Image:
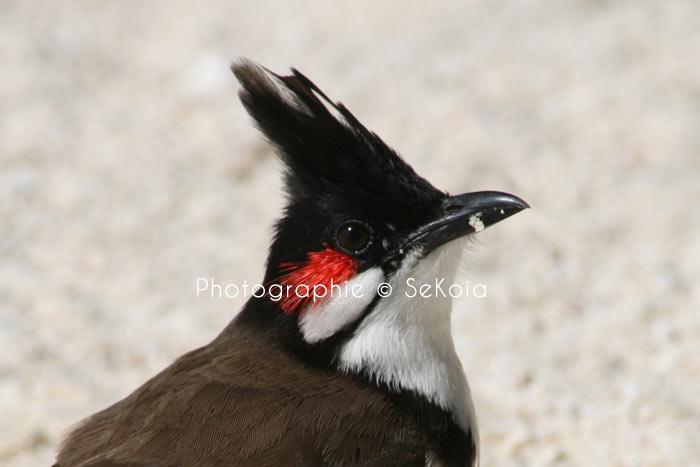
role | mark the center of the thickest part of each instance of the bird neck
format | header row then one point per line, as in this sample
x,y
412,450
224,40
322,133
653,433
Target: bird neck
x,y
406,340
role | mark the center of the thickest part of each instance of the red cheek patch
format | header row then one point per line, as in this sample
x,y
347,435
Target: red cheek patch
x,y
325,268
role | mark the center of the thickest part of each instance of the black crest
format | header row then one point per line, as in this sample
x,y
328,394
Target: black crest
x,y
324,147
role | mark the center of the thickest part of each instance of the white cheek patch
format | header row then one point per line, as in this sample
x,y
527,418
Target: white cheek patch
x,y
346,303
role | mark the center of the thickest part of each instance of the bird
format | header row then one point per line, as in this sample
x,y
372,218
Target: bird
x,y
358,372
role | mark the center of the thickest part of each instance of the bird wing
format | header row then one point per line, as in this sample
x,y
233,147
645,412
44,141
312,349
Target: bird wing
x,y
229,404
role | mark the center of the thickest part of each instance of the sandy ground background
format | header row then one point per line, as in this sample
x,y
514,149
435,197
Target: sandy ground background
x,y
128,168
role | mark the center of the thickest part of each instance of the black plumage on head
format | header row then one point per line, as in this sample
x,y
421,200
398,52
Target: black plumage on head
x,y
324,146
335,168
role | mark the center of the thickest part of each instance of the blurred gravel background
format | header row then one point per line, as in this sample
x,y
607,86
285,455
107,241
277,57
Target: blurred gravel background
x,y
128,168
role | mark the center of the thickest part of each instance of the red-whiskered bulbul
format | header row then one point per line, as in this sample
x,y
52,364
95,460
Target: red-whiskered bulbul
x,y
355,376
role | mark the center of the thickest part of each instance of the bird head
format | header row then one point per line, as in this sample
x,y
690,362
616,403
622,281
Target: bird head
x,y
357,214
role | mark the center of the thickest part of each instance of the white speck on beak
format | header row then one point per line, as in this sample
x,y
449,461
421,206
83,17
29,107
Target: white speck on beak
x,y
476,222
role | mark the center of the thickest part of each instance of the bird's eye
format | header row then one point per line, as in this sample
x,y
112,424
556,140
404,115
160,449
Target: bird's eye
x,y
353,237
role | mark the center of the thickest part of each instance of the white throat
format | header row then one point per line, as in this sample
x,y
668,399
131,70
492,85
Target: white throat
x,y
406,342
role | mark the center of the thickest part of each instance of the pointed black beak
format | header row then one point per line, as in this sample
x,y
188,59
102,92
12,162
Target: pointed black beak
x,y
463,215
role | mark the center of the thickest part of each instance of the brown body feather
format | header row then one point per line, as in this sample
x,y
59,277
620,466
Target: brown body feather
x,y
228,404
